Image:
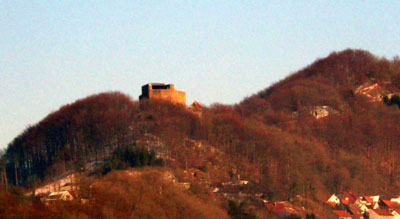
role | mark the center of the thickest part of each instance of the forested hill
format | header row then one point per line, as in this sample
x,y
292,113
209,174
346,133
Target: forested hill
x,y
356,95
345,69
76,131
331,81
91,130
332,126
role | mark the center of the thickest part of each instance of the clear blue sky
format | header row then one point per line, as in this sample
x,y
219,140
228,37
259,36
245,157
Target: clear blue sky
x,y
55,52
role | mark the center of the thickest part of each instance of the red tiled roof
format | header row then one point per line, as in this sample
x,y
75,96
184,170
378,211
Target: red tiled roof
x,y
274,206
196,104
382,212
342,213
391,204
368,199
284,208
333,204
279,207
270,206
351,198
356,212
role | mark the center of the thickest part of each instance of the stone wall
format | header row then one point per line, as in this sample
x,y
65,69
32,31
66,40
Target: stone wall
x,y
164,92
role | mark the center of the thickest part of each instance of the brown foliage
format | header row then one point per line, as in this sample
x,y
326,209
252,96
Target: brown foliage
x,y
269,138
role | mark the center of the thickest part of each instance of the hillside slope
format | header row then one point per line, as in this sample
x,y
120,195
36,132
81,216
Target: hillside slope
x,y
338,103
322,130
139,193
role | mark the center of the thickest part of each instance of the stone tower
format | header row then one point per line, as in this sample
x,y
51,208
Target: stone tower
x,y
164,92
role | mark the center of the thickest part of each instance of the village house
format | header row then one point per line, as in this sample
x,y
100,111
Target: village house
x,y
372,201
348,198
196,108
58,196
375,205
284,209
386,204
395,200
342,214
333,200
356,212
364,203
380,214
396,213
322,111
361,204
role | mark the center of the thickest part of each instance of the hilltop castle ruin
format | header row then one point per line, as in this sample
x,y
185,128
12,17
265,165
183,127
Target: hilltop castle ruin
x,y
164,92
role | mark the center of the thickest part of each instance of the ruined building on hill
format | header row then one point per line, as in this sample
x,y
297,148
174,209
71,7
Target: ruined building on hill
x,y
196,108
161,91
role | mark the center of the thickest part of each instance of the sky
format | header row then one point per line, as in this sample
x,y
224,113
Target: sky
x,y
55,52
